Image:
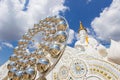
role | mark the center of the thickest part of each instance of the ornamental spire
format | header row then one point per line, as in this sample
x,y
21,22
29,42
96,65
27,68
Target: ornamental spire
x,y
82,27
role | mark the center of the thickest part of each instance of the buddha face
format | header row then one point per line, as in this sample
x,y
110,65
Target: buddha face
x,y
82,36
82,33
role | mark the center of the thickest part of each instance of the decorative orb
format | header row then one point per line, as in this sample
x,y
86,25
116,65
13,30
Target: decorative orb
x,y
11,65
21,46
52,19
26,55
50,37
61,36
20,62
41,45
18,52
26,76
16,49
41,21
18,75
43,65
33,54
13,57
36,26
36,30
62,26
40,28
29,73
52,30
48,19
47,33
45,38
22,42
48,26
46,46
55,50
25,63
32,32
12,72
27,36
58,18
40,54
19,56
32,61
47,29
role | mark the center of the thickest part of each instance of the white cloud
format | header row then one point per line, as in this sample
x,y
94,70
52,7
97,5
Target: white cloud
x,y
107,25
14,22
71,36
88,1
0,48
7,44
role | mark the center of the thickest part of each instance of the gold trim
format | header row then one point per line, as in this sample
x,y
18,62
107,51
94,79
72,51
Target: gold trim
x,y
82,27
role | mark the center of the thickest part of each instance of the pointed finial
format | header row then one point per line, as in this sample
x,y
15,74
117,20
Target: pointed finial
x,y
81,27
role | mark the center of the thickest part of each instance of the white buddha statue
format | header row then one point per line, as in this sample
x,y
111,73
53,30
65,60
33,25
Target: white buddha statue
x,y
83,36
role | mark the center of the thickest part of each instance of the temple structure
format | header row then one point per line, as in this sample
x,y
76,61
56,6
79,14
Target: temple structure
x,y
87,60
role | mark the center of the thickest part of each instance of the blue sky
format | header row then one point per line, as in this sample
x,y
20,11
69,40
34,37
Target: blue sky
x,y
85,11
90,12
